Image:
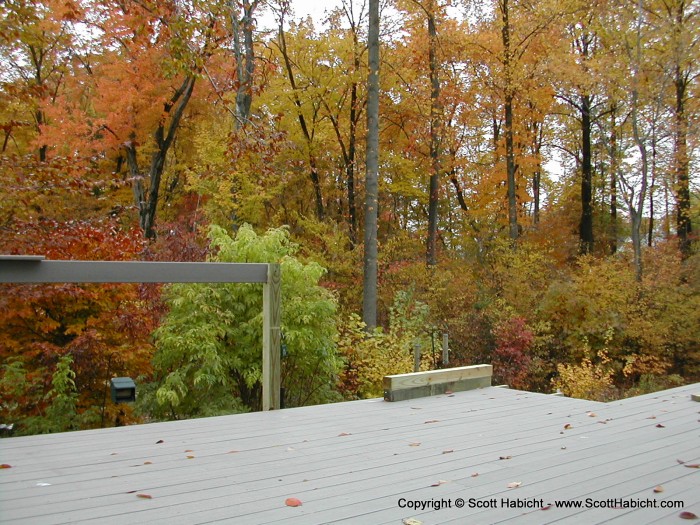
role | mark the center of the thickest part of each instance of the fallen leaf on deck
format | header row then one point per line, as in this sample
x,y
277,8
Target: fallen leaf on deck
x,y
414,444
188,450
506,457
603,422
658,489
438,483
5,465
144,496
688,515
232,452
547,506
591,414
411,521
475,474
567,426
416,408
514,484
432,421
292,502
344,434
148,463
660,426
450,451
113,454
190,457
693,465
159,442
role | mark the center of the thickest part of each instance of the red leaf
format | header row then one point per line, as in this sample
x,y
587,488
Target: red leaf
x,y
438,483
159,442
660,426
547,506
292,502
5,465
658,489
688,515
144,496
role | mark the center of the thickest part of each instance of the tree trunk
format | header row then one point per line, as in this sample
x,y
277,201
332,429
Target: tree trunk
x,y
613,183
147,201
245,58
586,224
435,122
369,299
684,226
509,96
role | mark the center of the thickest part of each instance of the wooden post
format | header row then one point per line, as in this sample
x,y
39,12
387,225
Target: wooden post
x,y
416,357
445,349
271,339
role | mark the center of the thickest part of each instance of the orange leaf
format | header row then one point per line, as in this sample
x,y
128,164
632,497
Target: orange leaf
x,y
688,515
438,483
190,457
292,502
514,484
144,496
5,465
414,444
567,426
658,489
693,465
148,463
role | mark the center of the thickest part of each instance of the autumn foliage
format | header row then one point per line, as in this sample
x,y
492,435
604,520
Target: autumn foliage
x,y
537,197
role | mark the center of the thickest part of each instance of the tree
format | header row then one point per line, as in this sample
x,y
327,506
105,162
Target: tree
x,y
208,356
369,287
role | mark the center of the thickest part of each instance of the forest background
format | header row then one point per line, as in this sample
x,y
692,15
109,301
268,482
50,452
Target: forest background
x,y
535,181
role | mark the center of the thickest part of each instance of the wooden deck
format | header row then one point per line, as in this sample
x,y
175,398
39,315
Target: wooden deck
x,y
360,462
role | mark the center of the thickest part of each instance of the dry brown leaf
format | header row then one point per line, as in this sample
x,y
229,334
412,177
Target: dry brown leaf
x,y
691,465
432,421
475,474
567,426
506,457
449,451
188,450
414,444
547,506
232,452
292,502
688,515
658,489
148,463
514,484
159,442
660,426
591,414
190,457
411,521
144,496
5,465
342,434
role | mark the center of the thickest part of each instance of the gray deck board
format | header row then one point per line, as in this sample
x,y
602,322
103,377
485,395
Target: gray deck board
x,y
351,462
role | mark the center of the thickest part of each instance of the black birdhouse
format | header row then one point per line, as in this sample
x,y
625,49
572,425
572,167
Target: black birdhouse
x,y
123,389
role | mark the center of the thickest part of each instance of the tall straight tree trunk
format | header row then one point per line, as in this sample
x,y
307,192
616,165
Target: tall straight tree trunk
x,y
684,226
242,30
509,96
435,123
586,224
369,285
613,182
